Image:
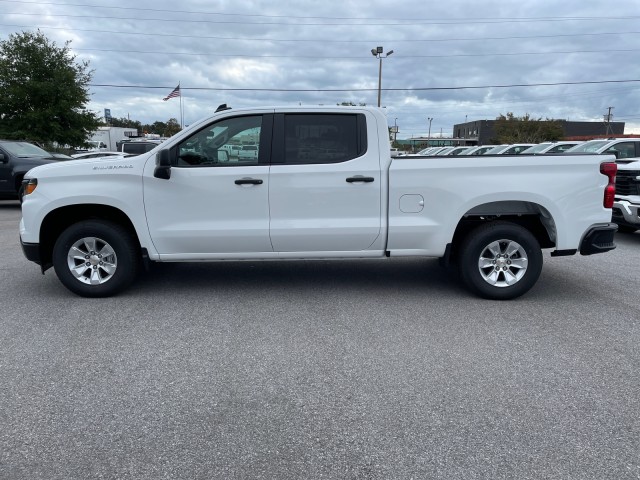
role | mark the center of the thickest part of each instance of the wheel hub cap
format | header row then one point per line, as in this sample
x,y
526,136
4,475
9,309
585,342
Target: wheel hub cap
x,y
92,260
503,263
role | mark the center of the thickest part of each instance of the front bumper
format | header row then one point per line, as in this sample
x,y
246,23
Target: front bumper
x,y
31,251
626,213
598,239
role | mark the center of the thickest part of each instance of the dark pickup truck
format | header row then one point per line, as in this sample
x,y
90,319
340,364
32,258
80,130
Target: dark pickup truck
x,y
16,159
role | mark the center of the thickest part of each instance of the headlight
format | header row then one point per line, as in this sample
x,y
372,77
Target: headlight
x,y
29,185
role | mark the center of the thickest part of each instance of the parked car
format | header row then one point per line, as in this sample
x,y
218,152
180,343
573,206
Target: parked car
x,y
233,150
620,147
457,151
478,150
513,149
626,205
551,147
137,147
16,159
249,152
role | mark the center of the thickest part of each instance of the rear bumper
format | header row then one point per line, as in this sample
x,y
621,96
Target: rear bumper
x,y
598,239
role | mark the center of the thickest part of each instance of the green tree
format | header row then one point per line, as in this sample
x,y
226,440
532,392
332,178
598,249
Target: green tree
x,y
43,92
126,123
173,127
511,129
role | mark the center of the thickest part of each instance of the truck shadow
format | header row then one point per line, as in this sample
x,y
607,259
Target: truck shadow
x,y
382,276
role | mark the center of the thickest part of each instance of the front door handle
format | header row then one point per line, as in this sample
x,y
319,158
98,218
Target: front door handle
x,y
360,178
248,181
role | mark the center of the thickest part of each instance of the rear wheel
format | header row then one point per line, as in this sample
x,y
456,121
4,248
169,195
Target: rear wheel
x,y
96,258
500,260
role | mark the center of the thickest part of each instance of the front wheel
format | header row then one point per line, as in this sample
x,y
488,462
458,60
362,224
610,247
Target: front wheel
x,y
96,258
500,260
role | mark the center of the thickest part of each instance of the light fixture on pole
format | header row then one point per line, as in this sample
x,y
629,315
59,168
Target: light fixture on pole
x,y
429,134
378,52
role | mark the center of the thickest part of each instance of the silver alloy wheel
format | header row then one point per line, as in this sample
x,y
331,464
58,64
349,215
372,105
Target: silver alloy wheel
x,y
91,260
503,263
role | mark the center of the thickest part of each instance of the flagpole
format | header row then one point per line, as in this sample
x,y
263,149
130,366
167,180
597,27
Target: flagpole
x,y
181,111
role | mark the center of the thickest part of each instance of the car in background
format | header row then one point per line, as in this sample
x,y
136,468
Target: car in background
x,y
478,150
16,159
248,152
620,147
513,149
551,147
626,203
458,151
137,147
232,150
60,156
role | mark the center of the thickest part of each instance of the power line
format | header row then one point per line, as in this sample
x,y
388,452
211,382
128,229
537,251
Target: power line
x,y
342,90
343,57
193,12
324,24
415,40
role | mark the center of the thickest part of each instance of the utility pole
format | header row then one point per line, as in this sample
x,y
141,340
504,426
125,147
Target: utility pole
x,y
607,121
429,134
378,52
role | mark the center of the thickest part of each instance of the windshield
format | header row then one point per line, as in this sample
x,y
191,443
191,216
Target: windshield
x,y
537,148
24,149
588,147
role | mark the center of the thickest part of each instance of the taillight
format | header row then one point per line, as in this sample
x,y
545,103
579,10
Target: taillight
x,y
609,169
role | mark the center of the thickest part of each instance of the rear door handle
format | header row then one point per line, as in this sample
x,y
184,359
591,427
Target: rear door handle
x,y
360,178
248,181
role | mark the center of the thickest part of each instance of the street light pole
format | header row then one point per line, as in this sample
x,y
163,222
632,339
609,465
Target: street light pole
x,y
429,134
395,131
378,52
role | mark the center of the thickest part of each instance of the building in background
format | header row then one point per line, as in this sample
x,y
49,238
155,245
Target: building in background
x,y
481,132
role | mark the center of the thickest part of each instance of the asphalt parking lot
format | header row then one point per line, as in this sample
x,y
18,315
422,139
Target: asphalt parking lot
x,y
341,369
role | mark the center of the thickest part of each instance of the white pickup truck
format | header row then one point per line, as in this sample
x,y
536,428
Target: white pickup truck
x,y
323,186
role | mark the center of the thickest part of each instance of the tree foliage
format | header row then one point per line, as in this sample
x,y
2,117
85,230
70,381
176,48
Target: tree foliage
x,y
512,129
43,92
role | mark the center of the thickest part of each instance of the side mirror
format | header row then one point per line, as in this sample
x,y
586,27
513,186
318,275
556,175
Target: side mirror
x,y
2,158
163,165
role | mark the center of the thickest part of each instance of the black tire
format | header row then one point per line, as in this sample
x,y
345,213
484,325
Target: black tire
x,y
517,265
626,229
111,254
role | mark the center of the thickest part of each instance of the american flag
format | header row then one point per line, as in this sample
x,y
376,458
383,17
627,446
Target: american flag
x,y
174,93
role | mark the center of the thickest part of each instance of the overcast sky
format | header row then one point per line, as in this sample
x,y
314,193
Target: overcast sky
x,y
247,53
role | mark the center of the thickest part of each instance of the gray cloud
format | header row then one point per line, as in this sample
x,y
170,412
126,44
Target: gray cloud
x,y
324,46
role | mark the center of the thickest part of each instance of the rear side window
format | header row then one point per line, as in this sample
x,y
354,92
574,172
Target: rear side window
x,y
323,138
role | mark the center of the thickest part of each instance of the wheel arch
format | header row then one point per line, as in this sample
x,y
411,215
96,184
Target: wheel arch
x,y
530,215
56,221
